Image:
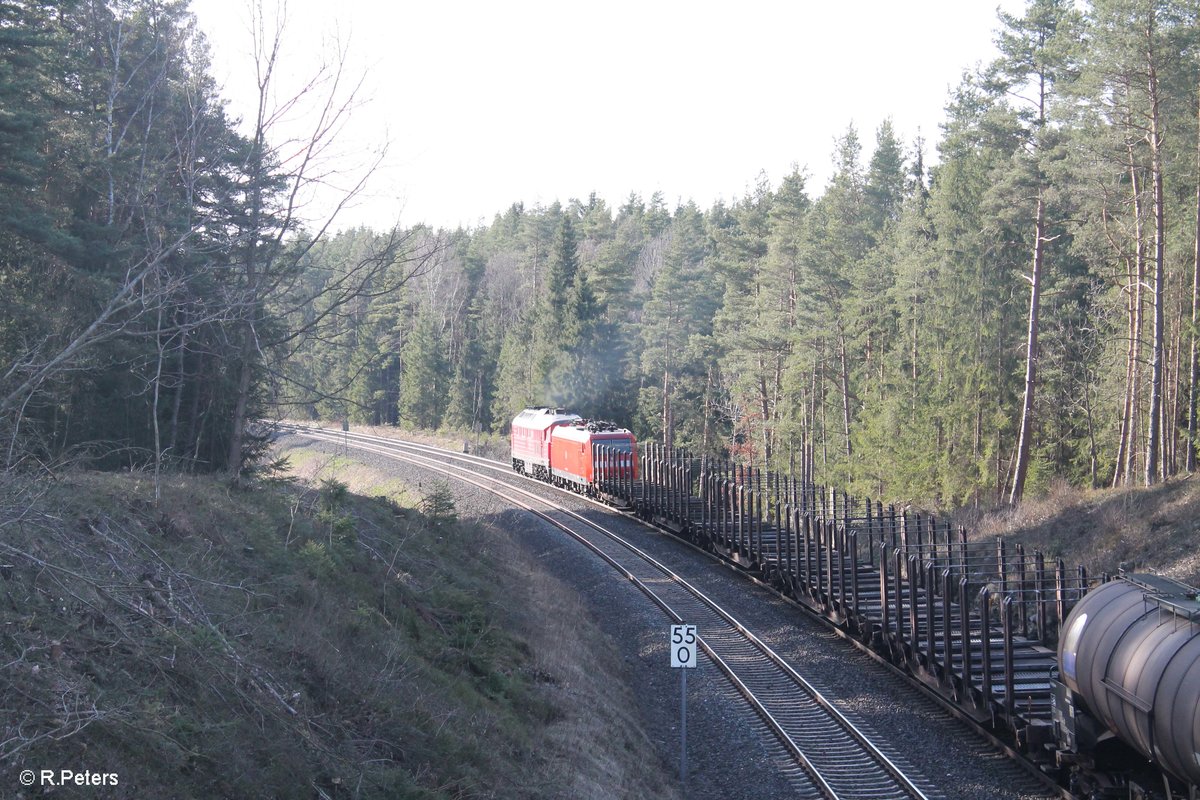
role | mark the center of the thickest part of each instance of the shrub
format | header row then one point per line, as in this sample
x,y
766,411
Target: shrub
x,y
317,560
438,505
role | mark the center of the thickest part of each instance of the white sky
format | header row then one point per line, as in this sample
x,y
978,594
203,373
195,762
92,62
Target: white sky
x,y
482,104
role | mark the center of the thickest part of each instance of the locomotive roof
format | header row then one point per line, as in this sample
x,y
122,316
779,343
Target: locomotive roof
x,y
582,430
544,417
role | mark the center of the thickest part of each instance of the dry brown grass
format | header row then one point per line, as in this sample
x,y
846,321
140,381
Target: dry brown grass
x,y
270,643
591,746
1150,529
594,748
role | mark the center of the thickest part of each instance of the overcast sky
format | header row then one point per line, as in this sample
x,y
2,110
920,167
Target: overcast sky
x,y
482,104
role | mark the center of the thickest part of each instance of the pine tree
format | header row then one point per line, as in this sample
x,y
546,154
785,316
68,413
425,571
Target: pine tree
x,y
837,244
1031,56
551,310
750,325
423,381
676,332
471,386
514,377
886,180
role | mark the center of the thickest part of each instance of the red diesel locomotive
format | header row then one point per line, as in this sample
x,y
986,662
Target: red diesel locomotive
x,y
563,448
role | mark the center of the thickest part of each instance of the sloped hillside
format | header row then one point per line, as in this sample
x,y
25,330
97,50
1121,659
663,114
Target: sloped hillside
x,y
287,641
1151,529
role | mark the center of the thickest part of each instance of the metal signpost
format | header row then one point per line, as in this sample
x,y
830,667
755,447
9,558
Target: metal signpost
x,y
683,657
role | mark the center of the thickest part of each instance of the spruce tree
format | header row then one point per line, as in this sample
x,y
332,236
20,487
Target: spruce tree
x,y
551,310
423,381
471,385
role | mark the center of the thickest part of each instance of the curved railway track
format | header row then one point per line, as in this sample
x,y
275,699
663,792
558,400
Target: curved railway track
x,y
833,756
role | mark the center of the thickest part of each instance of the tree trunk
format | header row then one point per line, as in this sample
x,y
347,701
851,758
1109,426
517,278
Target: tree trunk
x,y
1153,466
1130,425
1190,458
1125,441
237,436
160,358
811,463
1170,438
177,399
764,405
915,363
667,434
1093,450
845,377
1025,440
706,437
194,412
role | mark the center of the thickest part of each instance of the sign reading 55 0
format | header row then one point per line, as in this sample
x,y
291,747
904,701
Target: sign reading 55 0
x,y
683,646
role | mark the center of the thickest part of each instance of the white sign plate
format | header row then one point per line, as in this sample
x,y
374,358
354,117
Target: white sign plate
x,y
684,645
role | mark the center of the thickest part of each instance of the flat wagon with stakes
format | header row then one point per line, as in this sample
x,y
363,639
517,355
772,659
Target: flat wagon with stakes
x,y
1096,683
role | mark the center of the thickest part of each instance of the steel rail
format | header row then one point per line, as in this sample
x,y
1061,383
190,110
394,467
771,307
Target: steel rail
x,y
788,716
982,731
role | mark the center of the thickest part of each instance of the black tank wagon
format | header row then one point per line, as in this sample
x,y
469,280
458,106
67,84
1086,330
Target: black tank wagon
x,y
1129,668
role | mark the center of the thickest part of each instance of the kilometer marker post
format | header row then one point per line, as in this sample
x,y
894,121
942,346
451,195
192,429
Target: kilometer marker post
x,y
683,657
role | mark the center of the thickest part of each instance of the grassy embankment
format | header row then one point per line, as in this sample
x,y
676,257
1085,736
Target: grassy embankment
x,y
331,638
1154,529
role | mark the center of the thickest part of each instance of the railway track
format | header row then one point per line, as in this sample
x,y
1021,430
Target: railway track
x,y
832,756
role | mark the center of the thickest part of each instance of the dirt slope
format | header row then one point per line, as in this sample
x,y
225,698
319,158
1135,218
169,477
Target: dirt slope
x,y
1155,529
287,641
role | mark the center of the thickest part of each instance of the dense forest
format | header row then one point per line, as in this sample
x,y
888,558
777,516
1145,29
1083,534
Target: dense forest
x,y
1024,310
152,274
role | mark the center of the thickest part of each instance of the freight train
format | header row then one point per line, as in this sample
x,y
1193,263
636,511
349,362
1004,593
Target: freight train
x,y
1113,713
553,445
